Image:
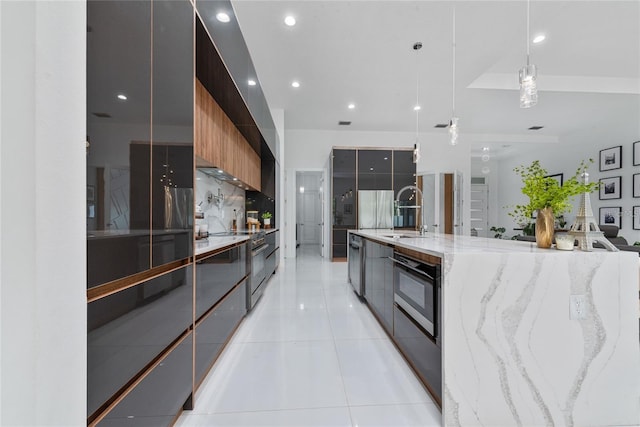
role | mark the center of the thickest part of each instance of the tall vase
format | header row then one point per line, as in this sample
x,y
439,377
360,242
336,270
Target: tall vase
x,y
544,227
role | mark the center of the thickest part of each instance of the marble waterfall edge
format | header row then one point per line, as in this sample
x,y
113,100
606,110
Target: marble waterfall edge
x,y
512,354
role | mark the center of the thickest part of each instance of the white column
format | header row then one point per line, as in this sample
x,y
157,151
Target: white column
x,y
42,213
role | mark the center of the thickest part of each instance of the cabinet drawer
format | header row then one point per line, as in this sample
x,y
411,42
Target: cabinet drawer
x,y
424,355
158,398
216,329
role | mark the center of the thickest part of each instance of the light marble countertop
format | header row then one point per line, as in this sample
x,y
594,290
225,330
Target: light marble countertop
x,y
216,242
443,244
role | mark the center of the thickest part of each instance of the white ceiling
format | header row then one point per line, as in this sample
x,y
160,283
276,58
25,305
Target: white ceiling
x,y
361,52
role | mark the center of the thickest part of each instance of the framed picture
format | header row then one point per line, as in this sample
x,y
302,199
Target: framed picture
x,y
610,188
91,193
611,158
611,216
558,177
636,217
636,185
636,153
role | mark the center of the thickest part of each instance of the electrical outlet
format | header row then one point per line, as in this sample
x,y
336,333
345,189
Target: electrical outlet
x,y
578,307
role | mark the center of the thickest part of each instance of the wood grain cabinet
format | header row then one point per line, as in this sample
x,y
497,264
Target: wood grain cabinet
x,y
219,142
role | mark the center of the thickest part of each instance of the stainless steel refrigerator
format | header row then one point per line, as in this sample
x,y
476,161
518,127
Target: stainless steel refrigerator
x,y
375,209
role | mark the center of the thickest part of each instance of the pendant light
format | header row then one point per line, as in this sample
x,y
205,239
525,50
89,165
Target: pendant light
x,y
527,76
453,123
416,145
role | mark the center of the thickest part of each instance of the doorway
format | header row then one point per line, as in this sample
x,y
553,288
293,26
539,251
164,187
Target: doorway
x,y
309,209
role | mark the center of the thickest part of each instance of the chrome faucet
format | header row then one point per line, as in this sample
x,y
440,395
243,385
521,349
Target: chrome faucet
x,y
423,227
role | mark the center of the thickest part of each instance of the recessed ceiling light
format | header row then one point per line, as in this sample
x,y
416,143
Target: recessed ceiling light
x,y
386,158
290,21
351,106
223,17
122,97
251,82
539,38
441,125
416,108
370,169
295,83
536,127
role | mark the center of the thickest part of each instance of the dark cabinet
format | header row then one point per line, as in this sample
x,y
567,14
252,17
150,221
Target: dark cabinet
x,y
158,398
404,174
128,329
378,279
140,84
424,354
213,332
375,170
118,116
344,193
217,274
353,170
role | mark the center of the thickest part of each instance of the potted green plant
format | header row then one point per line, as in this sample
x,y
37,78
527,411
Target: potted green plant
x,y
547,198
266,217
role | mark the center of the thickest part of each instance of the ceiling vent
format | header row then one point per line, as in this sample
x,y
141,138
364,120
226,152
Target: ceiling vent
x,y
441,125
344,123
536,127
102,115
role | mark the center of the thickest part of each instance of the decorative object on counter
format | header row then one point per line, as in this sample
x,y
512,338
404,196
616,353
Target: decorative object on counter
x,y
547,198
585,229
266,217
253,224
544,227
564,242
561,221
498,230
234,222
611,158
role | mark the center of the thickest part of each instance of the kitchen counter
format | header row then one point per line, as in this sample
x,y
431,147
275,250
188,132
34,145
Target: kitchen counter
x,y
517,349
216,242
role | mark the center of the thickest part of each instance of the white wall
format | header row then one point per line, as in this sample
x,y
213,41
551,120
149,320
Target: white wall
x,y
310,149
42,224
565,157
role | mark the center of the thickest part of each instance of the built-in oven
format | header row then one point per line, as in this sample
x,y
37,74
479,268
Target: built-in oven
x,y
416,291
258,269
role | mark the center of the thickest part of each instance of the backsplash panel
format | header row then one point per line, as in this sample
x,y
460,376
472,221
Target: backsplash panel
x,y
218,216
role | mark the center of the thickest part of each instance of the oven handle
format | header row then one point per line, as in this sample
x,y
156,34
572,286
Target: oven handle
x,y
422,273
259,250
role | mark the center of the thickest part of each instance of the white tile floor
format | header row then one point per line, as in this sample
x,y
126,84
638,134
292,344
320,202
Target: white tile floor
x,y
311,354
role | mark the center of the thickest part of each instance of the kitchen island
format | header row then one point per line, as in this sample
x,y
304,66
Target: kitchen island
x,y
532,336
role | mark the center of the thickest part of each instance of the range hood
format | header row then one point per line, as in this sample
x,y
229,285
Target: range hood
x,y
221,175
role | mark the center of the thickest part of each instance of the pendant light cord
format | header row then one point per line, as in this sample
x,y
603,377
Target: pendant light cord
x,y
528,12
453,90
417,46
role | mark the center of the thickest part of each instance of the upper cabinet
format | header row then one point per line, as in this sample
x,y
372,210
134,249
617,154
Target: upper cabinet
x,y
219,143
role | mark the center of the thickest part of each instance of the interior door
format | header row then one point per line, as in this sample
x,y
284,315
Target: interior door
x,y
480,209
457,203
310,224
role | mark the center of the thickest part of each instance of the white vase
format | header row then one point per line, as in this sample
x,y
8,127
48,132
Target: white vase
x,y
267,221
